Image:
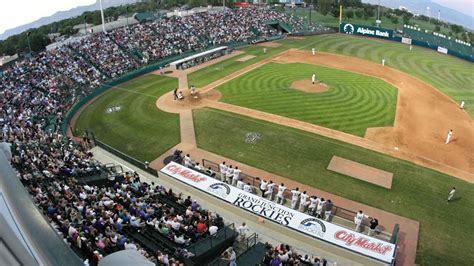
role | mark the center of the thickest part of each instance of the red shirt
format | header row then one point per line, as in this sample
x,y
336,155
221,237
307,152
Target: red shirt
x,y
201,227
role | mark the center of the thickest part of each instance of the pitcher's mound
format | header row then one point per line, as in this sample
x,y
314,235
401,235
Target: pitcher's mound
x,y
307,86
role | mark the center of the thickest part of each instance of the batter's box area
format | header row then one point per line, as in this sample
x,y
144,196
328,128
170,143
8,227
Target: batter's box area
x,y
361,172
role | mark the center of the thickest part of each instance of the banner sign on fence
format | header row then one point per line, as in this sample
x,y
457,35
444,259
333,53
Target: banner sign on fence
x,y
406,40
369,31
309,225
442,50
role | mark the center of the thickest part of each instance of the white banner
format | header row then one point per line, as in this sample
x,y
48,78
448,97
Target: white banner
x,y
442,50
309,225
406,40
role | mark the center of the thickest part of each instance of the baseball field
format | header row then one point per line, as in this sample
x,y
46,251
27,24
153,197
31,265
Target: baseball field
x,y
362,113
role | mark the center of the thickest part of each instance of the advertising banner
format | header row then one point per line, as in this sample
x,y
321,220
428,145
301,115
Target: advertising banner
x,y
442,50
369,31
406,40
309,225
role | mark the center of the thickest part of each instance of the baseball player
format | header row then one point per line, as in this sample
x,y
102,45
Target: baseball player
x,y
264,50
270,190
451,194
229,174
223,170
304,201
358,220
313,78
313,50
383,62
280,194
462,105
449,137
236,176
295,194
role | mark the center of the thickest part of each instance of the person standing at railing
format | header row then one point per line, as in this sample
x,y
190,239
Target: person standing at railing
x,y
229,175
243,231
328,210
263,186
236,176
295,194
223,170
358,220
304,201
281,194
270,190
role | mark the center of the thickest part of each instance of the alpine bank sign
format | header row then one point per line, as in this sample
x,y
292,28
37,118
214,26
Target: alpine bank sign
x,y
369,31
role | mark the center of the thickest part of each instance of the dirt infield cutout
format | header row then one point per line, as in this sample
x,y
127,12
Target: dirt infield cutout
x,y
167,103
361,171
245,58
307,86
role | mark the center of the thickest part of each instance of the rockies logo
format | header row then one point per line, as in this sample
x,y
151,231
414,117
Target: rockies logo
x,y
349,28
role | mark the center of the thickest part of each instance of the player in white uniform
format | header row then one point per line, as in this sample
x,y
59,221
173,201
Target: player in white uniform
x,y
451,194
358,220
314,201
188,162
313,78
304,202
240,184
229,175
462,105
449,137
223,170
313,50
295,194
248,188
270,190
281,194
263,186
236,176
320,208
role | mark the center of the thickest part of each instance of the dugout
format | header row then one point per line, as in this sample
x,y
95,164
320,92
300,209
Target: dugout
x,y
279,26
200,58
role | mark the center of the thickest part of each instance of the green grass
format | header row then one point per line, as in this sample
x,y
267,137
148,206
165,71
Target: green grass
x,y
224,68
417,193
452,76
139,129
352,104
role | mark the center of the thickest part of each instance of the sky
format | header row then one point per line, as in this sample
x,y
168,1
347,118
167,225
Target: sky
x,y
463,6
32,10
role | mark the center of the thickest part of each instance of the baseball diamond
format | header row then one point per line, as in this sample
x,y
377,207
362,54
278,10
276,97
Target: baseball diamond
x,y
239,136
263,83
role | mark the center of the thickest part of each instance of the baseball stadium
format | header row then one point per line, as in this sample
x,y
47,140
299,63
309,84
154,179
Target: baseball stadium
x,y
239,135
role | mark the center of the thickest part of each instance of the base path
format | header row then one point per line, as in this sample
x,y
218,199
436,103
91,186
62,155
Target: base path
x,y
423,118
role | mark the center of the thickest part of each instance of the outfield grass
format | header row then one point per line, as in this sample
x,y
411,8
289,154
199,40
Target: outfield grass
x,y
139,129
452,76
417,193
224,68
352,104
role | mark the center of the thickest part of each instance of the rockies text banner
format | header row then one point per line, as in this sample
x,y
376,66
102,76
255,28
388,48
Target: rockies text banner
x,y
309,225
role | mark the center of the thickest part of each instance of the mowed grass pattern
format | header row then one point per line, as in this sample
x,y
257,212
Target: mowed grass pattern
x,y
452,76
352,104
418,193
139,129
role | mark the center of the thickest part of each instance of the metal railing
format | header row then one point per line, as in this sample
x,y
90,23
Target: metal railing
x,y
210,242
255,182
240,250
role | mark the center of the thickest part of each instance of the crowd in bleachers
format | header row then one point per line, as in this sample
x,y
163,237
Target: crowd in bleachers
x,y
37,92
285,255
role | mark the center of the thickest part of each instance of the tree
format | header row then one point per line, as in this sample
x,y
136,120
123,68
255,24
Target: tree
x,y
359,13
456,28
437,28
394,20
349,14
368,12
324,6
406,18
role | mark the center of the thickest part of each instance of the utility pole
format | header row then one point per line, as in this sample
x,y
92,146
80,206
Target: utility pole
x,y
102,16
378,14
28,40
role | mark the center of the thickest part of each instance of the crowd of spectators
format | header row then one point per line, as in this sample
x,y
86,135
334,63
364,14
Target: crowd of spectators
x,y
285,255
37,92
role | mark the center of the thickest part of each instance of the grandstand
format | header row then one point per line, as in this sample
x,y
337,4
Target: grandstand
x,y
98,209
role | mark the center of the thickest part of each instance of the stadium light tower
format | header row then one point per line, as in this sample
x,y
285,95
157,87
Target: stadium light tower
x,y
102,16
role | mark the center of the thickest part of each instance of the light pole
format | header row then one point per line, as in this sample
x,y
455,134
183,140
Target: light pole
x,y
378,14
102,16
28,40
85,25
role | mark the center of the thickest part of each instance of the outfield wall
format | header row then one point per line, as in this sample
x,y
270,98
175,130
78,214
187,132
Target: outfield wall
x,y
389,35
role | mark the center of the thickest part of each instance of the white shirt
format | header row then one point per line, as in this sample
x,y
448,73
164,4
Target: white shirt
x,y
313,77
452,192
230,172
213,230
304,198
237,173
263,185
270,187
295,194
240,184
281,189
243,230
248,188
359,217
222,168
314,202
